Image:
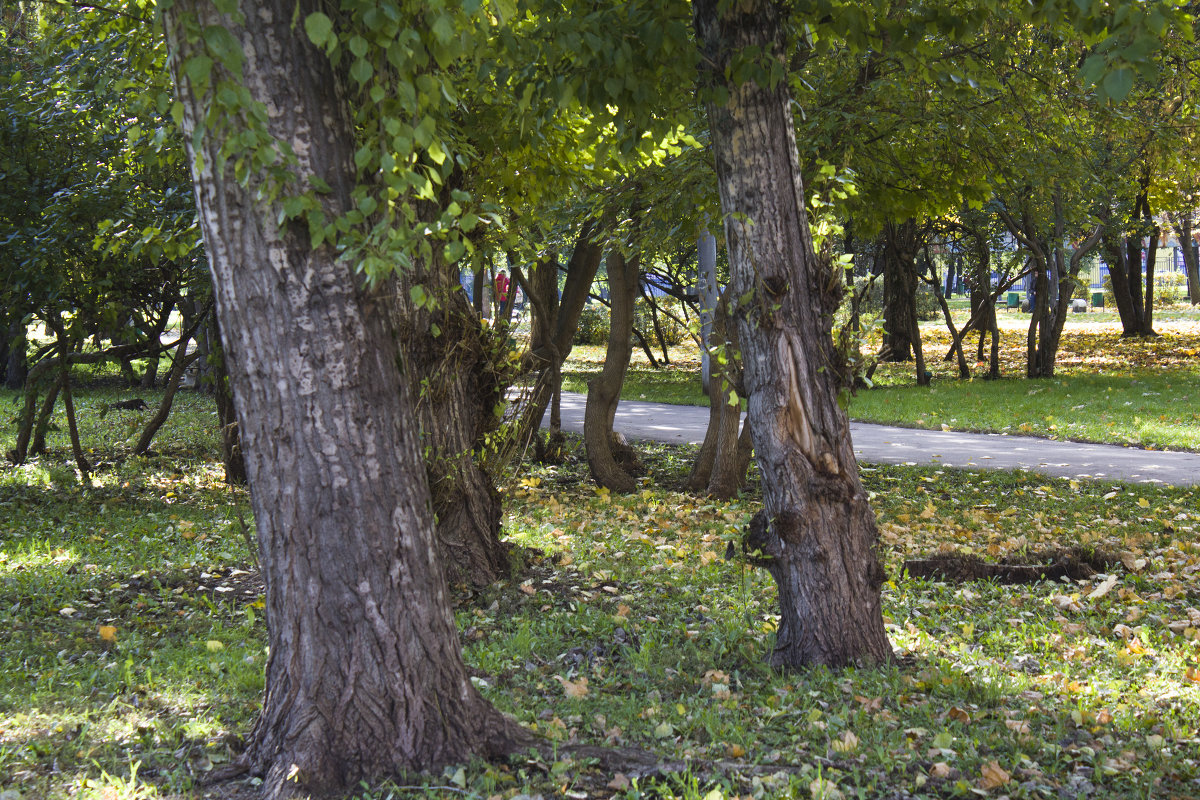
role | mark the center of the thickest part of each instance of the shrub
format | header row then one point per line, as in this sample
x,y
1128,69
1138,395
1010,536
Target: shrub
x,y
928,308
672,331
593,325
1169,289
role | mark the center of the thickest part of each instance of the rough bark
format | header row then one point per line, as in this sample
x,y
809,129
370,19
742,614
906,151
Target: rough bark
x,y
364,676
816,531
1115,256
604,391
706,293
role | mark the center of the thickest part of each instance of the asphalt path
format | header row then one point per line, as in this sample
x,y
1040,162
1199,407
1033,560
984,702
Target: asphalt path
x,y
885,444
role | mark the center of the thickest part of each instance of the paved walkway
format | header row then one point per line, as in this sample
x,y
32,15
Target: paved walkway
x,y
884,444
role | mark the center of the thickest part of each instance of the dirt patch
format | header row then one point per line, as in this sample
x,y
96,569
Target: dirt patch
x,y
1051,565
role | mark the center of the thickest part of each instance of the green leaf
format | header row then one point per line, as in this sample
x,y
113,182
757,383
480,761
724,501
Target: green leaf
x,y
436,152
319,29
198,69
419,298
1118,83
443,28
361,70
222,44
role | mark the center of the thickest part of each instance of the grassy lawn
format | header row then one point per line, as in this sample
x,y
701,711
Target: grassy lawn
x,y
1108,389
133,639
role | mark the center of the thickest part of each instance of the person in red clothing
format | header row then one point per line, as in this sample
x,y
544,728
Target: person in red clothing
x,y
501,288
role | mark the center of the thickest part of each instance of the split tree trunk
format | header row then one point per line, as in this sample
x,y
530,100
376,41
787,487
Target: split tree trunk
x,y
816,529
1116,256
548,353
365,676
605,453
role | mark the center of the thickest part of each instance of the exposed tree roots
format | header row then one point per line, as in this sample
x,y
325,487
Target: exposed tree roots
x,y
1051,565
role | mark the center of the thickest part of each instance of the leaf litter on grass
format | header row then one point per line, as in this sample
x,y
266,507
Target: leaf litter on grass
x,y
1058,688
626,627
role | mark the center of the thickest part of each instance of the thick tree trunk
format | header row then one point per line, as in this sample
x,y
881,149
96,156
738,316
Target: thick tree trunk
x,y
604,391
365,676
816,530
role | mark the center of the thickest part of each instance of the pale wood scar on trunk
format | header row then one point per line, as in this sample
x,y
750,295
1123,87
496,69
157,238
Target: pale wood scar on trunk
x,y
796,415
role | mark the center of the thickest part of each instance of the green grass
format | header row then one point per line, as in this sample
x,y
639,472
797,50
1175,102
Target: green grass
x,y
634,595
1159,410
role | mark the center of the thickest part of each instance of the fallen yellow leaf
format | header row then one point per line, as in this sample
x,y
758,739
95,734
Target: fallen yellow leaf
x,y
577,688
619,782
993,776
848,743
108,633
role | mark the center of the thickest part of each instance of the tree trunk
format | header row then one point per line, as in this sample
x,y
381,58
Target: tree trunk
x,y
1148,295
548,355
1118,274
899,289
231,440
174,378
14,361
706,293
1191,254
365,676
45,415
720,468
604,391
816,530
453,358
